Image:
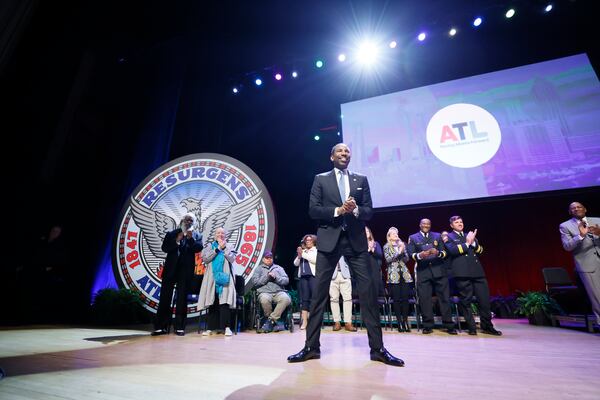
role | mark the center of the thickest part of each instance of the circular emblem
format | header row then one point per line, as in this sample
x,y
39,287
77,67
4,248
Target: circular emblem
x,y
394,276
220,191
463,135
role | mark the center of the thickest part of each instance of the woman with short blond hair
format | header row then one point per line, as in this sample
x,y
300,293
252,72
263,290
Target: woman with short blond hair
x,y
398,277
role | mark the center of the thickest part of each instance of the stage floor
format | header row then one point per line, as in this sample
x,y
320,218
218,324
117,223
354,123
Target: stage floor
x,y
528,362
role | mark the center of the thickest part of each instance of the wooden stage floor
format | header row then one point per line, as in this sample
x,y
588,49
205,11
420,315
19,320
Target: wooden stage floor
x,y
528,362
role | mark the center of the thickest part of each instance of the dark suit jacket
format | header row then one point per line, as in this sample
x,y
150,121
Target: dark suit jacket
x,y
465,263
325,197
431,267
184,253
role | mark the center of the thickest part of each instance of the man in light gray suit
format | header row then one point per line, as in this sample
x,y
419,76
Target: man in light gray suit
x,y
580,235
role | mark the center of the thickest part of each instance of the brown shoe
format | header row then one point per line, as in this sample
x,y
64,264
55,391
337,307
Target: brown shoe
x,y
337,326
350,328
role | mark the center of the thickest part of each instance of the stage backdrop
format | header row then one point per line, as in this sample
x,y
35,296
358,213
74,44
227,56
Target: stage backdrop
x,y
529,129
219,190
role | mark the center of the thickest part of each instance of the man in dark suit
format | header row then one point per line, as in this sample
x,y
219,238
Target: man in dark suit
x,y
341,203
181,246
469,276
426,248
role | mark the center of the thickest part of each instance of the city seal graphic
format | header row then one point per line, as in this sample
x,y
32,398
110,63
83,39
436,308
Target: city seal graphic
x,y
220,191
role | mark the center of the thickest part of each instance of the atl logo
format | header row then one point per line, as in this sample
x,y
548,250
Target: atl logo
x,y
463,135
449,135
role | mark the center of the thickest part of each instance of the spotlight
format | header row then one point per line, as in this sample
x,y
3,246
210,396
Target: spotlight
x,y
452,32
235,90
294,74
342,57
393,44
422,36
317,137
548,8
338,134
510,13
319,64
258,81
278,77
367,53
477,21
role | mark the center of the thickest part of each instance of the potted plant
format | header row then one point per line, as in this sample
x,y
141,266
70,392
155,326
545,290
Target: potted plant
x,y
537,307
118,307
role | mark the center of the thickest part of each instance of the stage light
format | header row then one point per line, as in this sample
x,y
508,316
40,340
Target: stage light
x,y
319,64
342,57
258,81
510,13
277,77
294,74
367,53
393,44
548,8
338,134
422,36
452,32
235,90
477,21
317,137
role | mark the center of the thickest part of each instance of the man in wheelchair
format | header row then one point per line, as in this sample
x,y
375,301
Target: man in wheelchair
x,y
269,281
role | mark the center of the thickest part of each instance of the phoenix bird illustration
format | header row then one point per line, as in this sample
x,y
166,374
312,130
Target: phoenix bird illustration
x,y
155,225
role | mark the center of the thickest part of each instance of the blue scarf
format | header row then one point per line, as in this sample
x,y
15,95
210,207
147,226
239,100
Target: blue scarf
x,y
221,278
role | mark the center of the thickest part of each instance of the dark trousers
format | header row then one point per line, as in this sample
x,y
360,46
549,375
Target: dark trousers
x,y
400,293
425,290
306,288
219,315
377,281
166,295
361,273
467,287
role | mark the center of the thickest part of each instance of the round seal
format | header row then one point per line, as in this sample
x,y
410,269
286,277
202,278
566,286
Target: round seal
x,y
220,191
463,135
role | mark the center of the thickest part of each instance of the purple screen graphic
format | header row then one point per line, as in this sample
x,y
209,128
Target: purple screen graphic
x,y
548,116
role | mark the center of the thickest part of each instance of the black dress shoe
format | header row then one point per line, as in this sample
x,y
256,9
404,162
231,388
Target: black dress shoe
x,y
159,332
385,357
427,331
491,331
451,331
180,332
305,354
473,332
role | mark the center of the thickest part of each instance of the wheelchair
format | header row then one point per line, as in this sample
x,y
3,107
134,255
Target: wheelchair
x,y
259,318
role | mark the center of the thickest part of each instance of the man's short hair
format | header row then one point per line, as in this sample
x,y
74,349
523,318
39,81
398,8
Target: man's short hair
x,y
454,218
339,144
574,202
192,216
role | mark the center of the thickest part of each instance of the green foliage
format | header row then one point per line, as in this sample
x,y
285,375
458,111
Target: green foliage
x,y
118,307
248,297
532,303
295,299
